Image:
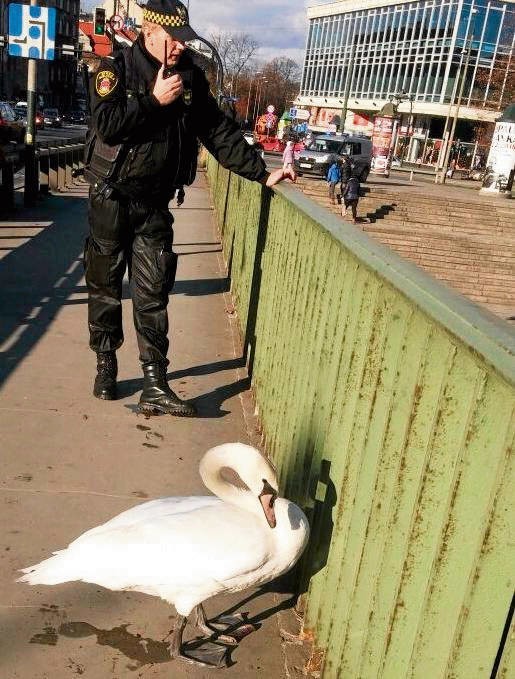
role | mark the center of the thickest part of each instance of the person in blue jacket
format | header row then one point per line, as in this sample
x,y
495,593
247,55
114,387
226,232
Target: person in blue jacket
x,y
334,175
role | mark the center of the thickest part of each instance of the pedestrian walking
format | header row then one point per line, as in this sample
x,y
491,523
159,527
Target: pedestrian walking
x,y
345,171
334,176
288,156
150,105
350,197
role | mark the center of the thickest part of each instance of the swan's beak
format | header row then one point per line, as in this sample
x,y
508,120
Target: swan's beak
x,y
267,498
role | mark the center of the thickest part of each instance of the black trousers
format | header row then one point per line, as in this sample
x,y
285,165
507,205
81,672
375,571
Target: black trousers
x,y
126,233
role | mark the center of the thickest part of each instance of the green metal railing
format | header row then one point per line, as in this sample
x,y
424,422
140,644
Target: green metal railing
x,y
387,402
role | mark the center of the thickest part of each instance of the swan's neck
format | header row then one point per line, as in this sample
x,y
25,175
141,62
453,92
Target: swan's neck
x,y
221,478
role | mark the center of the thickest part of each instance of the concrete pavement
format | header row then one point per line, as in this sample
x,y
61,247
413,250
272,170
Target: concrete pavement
x,y
70,462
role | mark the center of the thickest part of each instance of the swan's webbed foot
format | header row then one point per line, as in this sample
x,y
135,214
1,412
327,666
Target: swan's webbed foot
x,y
236,623
204,653
208,654
224,623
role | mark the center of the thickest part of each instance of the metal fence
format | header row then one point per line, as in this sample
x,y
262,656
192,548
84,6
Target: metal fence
x,y
387,402
58,164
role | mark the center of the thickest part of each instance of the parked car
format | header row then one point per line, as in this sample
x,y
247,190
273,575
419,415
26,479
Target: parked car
x,y
11,127
21,112
75,117
52,117
325,149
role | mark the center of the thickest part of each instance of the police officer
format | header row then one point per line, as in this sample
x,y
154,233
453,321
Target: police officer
x,y
150,104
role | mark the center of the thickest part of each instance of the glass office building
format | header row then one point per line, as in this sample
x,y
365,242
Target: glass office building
x,y
373,50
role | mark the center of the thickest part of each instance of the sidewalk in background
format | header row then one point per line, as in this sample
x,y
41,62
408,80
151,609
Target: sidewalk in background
x,y
71,462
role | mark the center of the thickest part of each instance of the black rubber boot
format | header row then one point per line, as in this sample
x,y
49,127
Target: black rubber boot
x,y
105,381
157,397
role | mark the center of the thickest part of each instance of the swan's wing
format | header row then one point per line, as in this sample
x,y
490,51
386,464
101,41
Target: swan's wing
x,y
205,548
148,511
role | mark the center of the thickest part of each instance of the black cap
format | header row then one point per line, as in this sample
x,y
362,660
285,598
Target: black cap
x,y
172,15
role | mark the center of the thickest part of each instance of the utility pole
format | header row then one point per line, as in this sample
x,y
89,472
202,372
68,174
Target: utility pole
x,y
463,74
348,82
31,178
250,94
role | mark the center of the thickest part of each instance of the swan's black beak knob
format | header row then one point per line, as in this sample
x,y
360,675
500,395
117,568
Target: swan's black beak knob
x,y
267,498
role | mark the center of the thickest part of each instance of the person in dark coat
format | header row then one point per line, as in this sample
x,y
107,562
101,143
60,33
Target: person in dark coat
x,y
150,106
350,197
345,172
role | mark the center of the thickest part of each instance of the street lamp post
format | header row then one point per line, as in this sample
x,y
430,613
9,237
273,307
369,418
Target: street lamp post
x,y
461,76
443,171
250,94
257,101
219,68
397,100
348,82
31,177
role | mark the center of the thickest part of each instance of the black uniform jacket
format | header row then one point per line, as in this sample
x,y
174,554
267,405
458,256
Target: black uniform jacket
x,y
160,142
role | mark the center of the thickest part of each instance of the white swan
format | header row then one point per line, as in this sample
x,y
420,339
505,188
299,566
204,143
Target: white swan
x,y
187,549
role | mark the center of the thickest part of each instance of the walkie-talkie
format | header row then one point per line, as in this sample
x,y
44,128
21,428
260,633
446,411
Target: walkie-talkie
x,y
168,71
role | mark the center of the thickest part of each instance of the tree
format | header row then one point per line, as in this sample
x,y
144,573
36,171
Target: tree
x,y
283,76
235,50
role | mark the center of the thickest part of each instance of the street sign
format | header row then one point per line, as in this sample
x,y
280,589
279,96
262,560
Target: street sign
x,y
302,114
293,113
32,31
68,50
116,22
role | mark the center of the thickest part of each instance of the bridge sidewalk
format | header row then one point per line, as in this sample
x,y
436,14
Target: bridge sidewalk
x,y
70,461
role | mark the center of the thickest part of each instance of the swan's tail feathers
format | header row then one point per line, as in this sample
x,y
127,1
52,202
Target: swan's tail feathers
x,y
52,571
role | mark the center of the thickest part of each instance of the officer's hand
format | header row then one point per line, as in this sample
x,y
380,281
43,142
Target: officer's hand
x,y
167,90
278,175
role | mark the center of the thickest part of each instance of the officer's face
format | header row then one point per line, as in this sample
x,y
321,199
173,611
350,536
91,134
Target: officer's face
x,y
157,40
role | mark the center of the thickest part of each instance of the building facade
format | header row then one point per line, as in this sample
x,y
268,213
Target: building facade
x,y
420,53
57,78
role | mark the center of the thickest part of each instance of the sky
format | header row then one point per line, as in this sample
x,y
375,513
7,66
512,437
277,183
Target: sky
x,y
279,26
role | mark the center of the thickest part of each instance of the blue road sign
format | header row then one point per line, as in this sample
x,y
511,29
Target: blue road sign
x,y
293,113
32,31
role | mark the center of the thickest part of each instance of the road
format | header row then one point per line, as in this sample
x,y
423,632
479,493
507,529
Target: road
x,y
64,132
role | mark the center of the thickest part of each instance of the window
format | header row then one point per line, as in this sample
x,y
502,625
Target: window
x,y
325,146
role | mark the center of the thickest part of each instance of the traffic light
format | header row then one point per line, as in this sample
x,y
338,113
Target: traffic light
x,y
100,21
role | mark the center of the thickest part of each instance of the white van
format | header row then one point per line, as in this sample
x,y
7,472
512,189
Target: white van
x,y
326,149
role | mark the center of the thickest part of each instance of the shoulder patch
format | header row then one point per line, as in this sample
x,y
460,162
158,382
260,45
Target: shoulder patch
x,y
105,82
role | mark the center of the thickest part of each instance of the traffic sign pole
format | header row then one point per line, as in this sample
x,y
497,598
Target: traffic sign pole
x,y
31,179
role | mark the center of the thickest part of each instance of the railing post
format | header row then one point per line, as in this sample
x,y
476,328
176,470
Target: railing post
x,y
7,188
44,170
68,155
61,168
53,162
75,160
